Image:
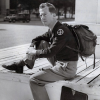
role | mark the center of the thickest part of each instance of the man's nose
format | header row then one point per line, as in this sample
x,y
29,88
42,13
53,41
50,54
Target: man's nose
x,y
42,17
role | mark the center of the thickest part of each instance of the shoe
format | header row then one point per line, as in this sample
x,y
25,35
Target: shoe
x,y
16,66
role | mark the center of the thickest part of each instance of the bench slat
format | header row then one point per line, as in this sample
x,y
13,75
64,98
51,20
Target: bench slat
x,y
12,53
90,76
84,67
15,47
95,81
86,72
83,62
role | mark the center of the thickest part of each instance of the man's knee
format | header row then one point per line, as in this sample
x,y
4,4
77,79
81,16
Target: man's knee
x,y
33,81
43,44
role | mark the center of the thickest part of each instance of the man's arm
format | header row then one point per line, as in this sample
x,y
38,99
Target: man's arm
x,y
34,44
36,41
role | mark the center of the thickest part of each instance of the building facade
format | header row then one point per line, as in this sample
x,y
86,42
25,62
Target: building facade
x,y
4,5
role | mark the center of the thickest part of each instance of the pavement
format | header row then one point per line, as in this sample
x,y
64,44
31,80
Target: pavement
x,y
17,34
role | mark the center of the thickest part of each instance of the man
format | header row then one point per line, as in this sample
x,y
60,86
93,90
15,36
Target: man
x,y
66,59
58,37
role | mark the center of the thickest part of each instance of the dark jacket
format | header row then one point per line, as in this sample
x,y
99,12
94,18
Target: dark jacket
x,y
58,39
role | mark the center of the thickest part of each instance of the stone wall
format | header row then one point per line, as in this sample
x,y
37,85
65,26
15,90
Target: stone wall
x,y
4,4
87,11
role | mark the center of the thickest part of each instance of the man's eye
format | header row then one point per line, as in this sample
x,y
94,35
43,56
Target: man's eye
x,y
43,15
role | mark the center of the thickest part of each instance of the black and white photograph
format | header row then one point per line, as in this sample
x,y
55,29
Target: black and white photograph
x,y
49,50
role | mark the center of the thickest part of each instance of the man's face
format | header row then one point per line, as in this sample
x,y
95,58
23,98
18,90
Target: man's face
x,y
46,16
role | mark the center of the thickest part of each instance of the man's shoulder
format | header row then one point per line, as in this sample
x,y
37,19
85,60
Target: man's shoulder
x,y
62,29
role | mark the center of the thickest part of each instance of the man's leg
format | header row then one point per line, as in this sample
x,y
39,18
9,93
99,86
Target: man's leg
x,y
18,65
60,71
38,82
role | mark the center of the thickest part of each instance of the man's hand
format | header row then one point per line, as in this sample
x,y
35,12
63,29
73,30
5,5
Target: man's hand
x,y
31,53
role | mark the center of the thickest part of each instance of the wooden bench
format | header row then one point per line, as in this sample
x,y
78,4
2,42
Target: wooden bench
x,y
15,86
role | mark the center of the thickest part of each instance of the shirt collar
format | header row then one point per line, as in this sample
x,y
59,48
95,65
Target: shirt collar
x,y
57,24
53,26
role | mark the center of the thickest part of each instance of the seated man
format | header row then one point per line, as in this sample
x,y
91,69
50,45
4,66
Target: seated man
x,y
58,36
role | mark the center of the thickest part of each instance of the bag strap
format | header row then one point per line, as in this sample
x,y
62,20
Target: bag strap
x,y
76,51
76,37
94,61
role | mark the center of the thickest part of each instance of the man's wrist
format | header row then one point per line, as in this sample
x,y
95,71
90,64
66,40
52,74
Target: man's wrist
x,y
38,52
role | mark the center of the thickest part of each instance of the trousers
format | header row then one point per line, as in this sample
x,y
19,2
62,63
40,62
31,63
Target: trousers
x,y
60,71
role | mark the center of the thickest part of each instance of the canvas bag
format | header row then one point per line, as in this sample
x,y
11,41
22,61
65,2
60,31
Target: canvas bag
x,y
85,38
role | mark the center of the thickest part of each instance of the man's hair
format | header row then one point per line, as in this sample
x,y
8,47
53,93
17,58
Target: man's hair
x,y
51,7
